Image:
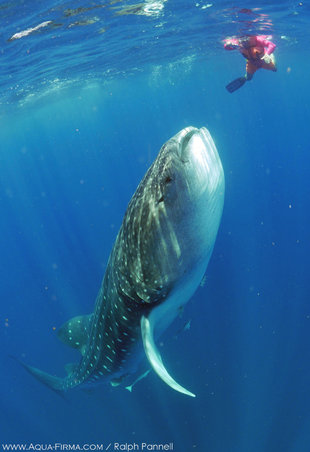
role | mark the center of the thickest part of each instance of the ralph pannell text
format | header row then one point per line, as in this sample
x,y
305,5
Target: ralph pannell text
x,y
142,446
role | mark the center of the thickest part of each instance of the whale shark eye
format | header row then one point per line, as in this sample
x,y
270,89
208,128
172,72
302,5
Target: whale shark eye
x,y
168,180
161,199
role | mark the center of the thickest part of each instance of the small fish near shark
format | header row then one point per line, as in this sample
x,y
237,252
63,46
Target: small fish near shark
x,y
158,260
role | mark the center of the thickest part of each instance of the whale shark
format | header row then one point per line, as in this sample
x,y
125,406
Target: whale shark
x,y
158,259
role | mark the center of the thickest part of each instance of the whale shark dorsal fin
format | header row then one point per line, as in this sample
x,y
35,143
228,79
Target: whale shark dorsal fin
x,y
154,357
75,332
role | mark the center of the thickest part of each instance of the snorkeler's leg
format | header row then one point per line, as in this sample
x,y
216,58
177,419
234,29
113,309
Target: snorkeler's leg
x,y
250,70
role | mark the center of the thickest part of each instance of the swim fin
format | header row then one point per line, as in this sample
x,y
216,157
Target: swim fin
x,y
236,84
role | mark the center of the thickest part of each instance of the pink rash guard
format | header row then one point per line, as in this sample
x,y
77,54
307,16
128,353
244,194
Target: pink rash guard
x,y
252,41
262,40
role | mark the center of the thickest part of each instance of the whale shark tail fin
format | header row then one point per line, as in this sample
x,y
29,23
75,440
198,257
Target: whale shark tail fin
x,y
54,383
236,84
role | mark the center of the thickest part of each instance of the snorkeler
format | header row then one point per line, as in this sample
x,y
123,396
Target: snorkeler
x,y
257,50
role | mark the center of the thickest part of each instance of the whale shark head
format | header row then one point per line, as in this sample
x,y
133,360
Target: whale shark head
x,y
192,185
172,220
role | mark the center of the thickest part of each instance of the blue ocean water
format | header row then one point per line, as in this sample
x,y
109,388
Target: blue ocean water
x,y
86,102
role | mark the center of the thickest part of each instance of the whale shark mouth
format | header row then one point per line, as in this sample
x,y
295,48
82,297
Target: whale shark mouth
x,y
190,139
183,149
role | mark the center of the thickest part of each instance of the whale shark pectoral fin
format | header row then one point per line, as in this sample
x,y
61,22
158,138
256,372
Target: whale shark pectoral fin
x,y
75,332
154,357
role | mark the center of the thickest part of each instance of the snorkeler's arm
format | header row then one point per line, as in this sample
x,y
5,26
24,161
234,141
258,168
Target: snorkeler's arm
x,y
268,45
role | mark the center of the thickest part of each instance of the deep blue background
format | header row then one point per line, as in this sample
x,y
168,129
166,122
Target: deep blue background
x,y
68,166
